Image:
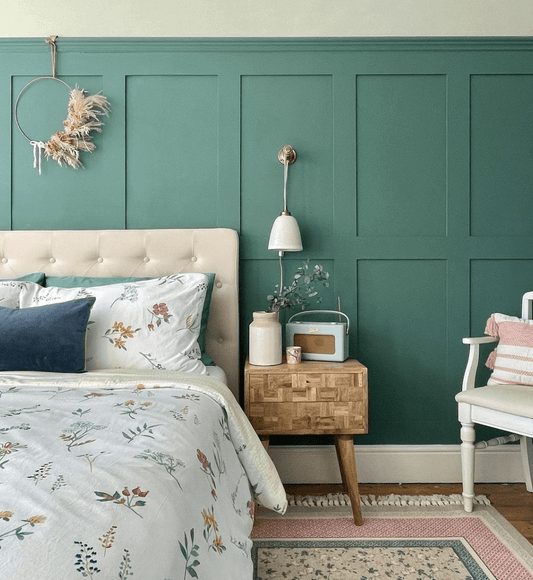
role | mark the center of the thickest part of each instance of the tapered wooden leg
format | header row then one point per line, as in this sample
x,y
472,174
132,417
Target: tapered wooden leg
x,y
468,437
265,440
346,456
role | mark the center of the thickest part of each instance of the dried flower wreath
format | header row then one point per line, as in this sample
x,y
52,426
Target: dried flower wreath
x,y
84,113
64,146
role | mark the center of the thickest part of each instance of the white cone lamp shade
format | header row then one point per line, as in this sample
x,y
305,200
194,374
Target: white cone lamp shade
x,y
285,234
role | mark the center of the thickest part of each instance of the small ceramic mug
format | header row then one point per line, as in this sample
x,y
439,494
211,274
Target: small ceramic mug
x,y
294,355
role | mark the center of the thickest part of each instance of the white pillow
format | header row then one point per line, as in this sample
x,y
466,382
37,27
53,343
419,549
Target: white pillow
x,y
150,324
10,292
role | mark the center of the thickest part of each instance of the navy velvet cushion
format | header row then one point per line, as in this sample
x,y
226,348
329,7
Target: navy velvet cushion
x,y
45,338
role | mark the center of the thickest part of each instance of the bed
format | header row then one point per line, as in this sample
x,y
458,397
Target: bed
x,y
123,449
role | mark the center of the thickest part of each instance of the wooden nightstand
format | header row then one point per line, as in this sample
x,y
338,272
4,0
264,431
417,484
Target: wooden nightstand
x,y
313,397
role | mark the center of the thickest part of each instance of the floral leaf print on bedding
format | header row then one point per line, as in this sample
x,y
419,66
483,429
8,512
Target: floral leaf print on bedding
x,y
144,431
160,314
17,531
58,484
188,554
131,410
10,390
108,538
42,473
207,469
23,426
8,448
130,294
23,410
125,498
86,560
125,566
92,457
153,361
210,527
152,486
167,461
118,334
78,431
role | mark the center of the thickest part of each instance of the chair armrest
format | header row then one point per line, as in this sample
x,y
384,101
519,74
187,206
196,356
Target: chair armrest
x,y
479,340
469,378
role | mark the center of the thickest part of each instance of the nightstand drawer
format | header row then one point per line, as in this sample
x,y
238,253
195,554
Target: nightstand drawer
x,y
306,418
302,387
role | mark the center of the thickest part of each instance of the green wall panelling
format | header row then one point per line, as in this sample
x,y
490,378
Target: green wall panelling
x,y
5,148
501,154
412,184
401,336
401,155
497,285
172,151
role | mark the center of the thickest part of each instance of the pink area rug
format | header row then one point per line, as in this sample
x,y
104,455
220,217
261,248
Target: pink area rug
x,y
394,543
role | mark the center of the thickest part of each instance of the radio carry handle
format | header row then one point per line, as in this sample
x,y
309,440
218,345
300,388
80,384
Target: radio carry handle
x,y
323,312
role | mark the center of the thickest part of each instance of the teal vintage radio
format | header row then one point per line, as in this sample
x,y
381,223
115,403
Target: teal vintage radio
x,y
327,341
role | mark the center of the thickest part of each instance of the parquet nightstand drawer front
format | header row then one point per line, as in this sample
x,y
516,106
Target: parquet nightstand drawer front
x,y
301,387
308,418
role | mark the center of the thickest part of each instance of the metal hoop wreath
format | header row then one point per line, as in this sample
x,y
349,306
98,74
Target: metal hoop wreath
x,y
24,89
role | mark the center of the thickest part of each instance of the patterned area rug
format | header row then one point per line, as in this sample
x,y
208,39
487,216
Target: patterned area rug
x,y
429,539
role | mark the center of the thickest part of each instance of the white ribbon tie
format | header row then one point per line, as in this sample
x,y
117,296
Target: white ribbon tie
x,y
38,147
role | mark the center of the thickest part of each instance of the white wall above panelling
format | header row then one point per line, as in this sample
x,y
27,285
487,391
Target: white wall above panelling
x,y
268,18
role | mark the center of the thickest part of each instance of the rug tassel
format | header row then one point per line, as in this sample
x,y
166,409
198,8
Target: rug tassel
x,y
342,499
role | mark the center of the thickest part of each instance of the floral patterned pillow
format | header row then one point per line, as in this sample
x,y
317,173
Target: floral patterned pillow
x,y
150,324
10,293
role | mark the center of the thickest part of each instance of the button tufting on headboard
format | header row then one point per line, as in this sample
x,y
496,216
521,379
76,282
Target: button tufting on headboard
x,y
142,253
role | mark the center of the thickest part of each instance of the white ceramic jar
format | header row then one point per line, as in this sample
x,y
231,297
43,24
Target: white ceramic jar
x,y
265,339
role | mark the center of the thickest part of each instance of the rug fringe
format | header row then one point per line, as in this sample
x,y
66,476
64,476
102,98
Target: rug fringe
x,y
340,499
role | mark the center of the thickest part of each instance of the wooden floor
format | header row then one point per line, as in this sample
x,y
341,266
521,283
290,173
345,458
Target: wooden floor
x,y
511,500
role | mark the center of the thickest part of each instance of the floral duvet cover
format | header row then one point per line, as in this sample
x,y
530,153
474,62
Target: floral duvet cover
x,y
111,474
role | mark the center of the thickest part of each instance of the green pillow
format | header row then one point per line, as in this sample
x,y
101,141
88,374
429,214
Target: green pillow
x,y
37,277
89,281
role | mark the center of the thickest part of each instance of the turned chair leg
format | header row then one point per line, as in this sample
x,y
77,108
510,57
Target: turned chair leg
x,y
526,447
468,438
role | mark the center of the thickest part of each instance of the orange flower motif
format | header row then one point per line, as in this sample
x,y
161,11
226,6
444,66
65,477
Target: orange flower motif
x,y
5,515
127,332
146,404
118,326
218,544
209,519
37,520
119,342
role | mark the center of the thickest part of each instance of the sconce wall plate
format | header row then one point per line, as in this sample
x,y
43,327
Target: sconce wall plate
x,y
287,153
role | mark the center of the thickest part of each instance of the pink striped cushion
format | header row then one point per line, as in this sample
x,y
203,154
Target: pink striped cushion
x,y
512,360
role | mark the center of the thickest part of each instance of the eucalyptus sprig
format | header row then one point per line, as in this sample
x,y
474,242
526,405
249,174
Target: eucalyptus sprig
x,y
302,287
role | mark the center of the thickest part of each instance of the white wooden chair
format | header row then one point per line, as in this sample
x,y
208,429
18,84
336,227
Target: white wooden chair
x,y
504,406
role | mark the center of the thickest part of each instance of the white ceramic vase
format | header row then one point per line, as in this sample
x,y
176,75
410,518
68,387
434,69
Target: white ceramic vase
x,y
265,339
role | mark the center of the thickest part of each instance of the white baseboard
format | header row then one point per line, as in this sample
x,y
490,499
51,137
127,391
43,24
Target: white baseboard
x,y
397,464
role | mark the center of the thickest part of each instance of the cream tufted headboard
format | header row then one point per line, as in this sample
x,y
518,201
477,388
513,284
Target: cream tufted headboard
x,y
141,253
